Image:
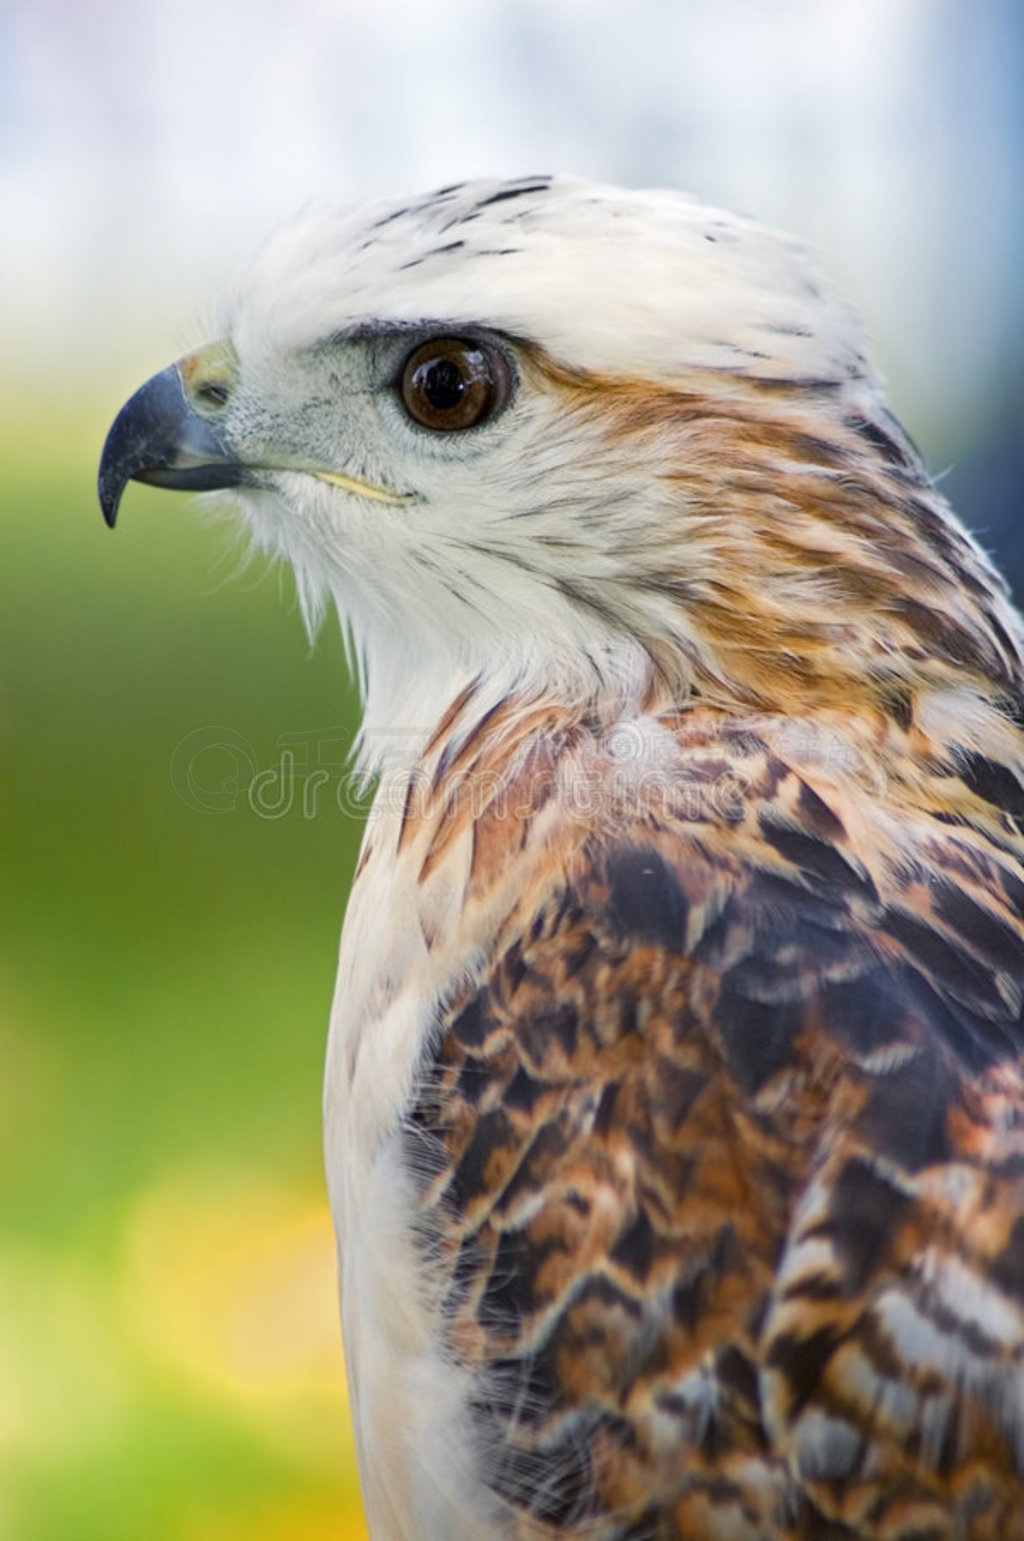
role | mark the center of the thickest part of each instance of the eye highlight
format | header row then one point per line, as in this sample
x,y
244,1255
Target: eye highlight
x,y
450,383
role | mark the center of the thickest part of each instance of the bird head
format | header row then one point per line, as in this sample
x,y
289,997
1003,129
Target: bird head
x,y
561,437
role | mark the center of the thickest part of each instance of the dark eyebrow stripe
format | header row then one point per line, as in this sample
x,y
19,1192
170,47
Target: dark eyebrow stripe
x,y
422,329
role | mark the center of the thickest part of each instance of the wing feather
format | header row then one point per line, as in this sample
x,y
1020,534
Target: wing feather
x,y
720,1157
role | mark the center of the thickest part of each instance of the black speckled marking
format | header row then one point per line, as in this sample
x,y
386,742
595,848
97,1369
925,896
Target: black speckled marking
x,y
969,980
993,783
511,1292
546,1148
523,1390
802,1361
818,451
514,968
634,1251
645,899
978,1040
785,329
675,1090
980,927
884,442
814,857
1008,1265
548,1028
553,1482
521,190
472,1024
474,1079
906,1114
899,705
605,1115
578,954
493,1132
522,1091
1013,888
818,816
758,1036
866,1010
864,1212
388,219
945,636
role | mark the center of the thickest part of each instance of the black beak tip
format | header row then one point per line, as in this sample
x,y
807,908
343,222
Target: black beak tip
x,y
110,486
157,437
134,441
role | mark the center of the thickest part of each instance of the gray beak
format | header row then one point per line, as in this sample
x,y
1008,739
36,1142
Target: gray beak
x,y
159,437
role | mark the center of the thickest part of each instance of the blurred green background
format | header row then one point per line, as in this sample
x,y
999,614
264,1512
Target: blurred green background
x,y
170,1363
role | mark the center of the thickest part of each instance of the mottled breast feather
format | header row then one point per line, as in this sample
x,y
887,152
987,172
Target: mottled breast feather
x,y
720,1158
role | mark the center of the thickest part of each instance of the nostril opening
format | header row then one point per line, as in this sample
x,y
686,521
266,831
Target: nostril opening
x,y
213,393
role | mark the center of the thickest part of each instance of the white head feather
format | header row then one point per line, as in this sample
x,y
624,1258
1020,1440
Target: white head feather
x,y
529,551
646,283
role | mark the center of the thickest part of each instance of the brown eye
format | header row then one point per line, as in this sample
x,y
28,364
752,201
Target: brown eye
x,y
449,383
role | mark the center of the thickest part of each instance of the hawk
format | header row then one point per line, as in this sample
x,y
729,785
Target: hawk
x,y
673,1092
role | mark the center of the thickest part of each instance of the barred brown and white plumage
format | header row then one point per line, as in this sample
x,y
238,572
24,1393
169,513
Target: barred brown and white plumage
x,y
673,1099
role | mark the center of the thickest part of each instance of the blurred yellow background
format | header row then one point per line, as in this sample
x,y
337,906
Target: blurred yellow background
x,y
174,860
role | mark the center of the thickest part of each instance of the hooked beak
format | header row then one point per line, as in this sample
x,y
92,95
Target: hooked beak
x,y
162,435
171,434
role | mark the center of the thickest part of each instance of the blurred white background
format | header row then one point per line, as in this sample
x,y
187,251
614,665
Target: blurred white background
x,y
145,149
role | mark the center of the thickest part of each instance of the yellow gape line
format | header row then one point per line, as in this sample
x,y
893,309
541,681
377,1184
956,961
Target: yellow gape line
x,y
365,489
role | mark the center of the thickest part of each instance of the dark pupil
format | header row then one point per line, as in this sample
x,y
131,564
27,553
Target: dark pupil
x,y
443,385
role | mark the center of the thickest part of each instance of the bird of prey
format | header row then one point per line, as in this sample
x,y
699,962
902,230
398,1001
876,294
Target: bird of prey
x,y
673,1093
